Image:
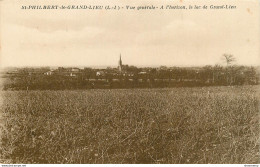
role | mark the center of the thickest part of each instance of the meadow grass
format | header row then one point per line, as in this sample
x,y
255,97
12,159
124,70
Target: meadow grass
x,y
177,125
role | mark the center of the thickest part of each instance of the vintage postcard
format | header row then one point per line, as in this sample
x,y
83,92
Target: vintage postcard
x,y
130,82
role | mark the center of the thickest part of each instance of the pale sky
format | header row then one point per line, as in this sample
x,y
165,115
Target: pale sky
x,y
144,38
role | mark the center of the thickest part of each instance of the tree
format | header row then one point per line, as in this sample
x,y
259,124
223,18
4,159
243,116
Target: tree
x,y
218,74
229,59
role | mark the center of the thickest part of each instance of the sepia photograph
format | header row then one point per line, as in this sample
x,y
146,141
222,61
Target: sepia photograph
x,y
130,82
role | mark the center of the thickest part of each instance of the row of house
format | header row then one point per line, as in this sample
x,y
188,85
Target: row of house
x,y
64,71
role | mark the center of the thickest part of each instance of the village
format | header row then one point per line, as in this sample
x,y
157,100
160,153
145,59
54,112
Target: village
x,y
128,76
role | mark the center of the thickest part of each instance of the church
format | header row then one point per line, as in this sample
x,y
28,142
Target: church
x,y
124,70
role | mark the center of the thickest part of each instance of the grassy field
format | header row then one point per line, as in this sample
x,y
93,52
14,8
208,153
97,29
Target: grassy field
x,y
179,125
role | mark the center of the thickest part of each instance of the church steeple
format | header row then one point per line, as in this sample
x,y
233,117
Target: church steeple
x,y
120,64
